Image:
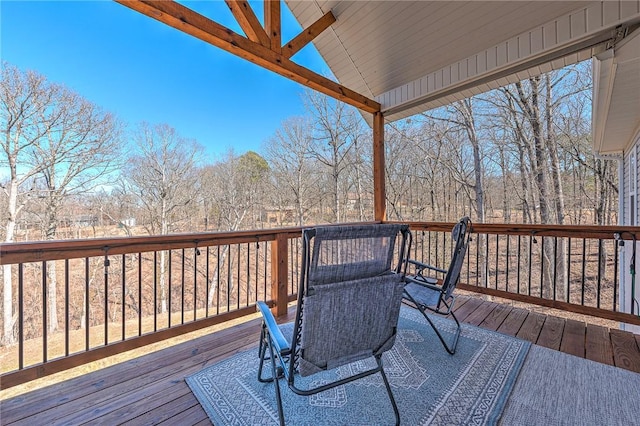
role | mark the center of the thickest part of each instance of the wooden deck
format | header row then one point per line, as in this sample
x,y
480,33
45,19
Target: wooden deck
x,y
151,389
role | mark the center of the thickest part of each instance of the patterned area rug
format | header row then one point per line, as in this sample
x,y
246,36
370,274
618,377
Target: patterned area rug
x,y
430,386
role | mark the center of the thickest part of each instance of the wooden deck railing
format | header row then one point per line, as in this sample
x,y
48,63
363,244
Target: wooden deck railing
x,y
118,294
571,268
110,292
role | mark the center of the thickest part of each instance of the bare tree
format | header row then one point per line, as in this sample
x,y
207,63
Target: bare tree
x,y
235,187
162,175
336,129
61,145
288,154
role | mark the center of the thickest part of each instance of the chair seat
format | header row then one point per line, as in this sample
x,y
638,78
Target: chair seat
x,y
424,295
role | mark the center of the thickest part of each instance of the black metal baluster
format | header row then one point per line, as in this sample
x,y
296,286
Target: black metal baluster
x,y
196,253
497,258
600,267
182,284
106,299
506,271
530,265
229,274
478,261
518,264
568,269
218,282
257,268
86,303
248,272
66,307
541,266
170,287
486,261
266,256
208,284
468,261
44,312
615,277
124,275
584,267
20,316
555,267
238,275
139,294
155,291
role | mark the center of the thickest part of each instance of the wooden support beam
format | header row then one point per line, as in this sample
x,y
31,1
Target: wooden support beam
x,y
279,275
379,190
306,36
203,28
272,24
248,21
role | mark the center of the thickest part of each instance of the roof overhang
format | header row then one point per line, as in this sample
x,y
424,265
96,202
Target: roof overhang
x,y
412,56
616,96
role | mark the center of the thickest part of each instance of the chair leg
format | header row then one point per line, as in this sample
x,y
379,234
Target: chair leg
x,y
276,382
450,347
262,351
386,384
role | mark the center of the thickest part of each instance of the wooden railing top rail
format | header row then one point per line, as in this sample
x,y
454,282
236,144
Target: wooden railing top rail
x,y
11,253
573,231
37,251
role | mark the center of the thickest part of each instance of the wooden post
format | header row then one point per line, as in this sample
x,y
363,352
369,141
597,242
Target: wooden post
x,y
279,274
272,24
379,190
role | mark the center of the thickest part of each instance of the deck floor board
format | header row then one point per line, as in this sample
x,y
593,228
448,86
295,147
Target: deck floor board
x,y
531,327
573,338
551,333
513,322
496,318
625,350
151,389
598,344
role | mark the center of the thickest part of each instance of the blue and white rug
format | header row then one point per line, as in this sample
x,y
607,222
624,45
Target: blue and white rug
x,y
429,385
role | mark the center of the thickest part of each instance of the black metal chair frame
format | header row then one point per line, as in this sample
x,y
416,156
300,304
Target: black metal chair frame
x,y
284,355
445,297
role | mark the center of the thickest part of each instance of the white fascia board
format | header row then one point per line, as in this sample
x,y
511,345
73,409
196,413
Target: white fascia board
x,y
604,75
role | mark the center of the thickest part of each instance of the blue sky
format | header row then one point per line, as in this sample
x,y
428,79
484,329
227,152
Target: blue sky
x,y
143,70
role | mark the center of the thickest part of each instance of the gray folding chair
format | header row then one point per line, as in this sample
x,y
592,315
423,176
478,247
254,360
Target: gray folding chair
x,y
349,299
425,292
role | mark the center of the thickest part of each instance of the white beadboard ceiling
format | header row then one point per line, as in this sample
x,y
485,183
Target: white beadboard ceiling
x,y
412,56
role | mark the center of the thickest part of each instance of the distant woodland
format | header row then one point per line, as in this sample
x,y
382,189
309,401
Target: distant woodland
x,y
518,154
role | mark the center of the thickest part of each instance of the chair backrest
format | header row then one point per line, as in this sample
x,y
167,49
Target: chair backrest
x,y
349,295
460,235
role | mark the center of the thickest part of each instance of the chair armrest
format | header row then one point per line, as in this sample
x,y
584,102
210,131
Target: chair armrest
x,y
270,323
423,282
422,266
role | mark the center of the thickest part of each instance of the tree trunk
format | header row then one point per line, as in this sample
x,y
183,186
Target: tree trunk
x,y
532,111
552,146
466,108
8,320
52,281
558,193
506,198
